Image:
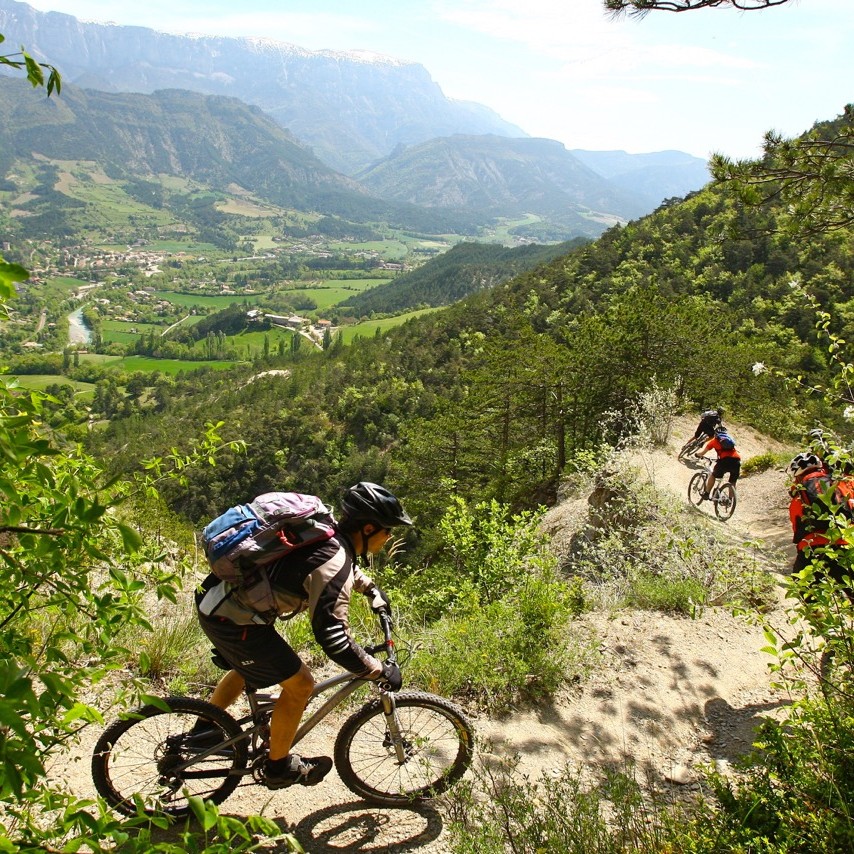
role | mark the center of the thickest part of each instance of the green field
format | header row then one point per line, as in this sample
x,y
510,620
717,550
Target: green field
x,y
390,250
203,301
181,246
166,366
335,290
251,344
370,327
67,283
98,358
126,332
39,382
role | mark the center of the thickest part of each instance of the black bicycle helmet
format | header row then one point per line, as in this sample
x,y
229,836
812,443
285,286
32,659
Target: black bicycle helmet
x,y
369,502
803,463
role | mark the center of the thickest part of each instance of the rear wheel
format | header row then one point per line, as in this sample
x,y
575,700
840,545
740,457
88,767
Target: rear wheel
x,y
151,756
416,752
696,488
725,502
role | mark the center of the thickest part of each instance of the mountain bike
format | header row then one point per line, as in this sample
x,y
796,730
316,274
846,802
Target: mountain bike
x,y
396,749
722,495
692,446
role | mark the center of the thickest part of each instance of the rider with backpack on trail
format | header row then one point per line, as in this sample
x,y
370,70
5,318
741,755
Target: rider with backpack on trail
x,y
728,461
318,572
710,420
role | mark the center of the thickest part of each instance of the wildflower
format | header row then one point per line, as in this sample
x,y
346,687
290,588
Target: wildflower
x,y
848,414
758,368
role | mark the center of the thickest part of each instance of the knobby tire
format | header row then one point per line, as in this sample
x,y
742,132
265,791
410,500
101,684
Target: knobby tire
x,y
133,759
438,742
696,487
725,502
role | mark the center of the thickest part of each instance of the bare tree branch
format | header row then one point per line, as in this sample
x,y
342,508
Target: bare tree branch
x,y
639,8
20,529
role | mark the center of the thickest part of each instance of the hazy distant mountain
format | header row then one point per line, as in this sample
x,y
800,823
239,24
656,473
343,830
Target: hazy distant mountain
x,y
654,177
504,177
214,140
352,108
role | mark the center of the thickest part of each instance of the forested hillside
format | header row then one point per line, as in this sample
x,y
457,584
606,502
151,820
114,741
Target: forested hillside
x,y
507,177
462,270
495,396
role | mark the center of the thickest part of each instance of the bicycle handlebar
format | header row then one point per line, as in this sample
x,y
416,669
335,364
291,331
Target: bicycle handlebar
x,y
387,646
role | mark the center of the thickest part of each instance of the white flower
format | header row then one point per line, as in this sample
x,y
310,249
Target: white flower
x,y
848,414
758,368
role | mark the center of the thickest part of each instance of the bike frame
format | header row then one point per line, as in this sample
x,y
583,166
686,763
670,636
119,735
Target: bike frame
x,y
261,704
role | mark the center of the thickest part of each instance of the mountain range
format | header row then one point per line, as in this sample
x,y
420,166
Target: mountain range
x,y
497,176
341,134
351,108
218,142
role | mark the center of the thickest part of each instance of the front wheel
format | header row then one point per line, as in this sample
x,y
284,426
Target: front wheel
x,y
725,502
696,488
416,751
150,757
688,448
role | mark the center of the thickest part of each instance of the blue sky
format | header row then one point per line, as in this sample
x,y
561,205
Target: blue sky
x,y
706,81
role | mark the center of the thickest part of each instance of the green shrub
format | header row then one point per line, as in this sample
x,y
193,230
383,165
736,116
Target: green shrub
x,y
487,552
518,648
175,639
763,462
661,593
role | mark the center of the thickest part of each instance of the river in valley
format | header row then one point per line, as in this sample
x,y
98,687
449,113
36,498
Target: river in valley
x,y
78,331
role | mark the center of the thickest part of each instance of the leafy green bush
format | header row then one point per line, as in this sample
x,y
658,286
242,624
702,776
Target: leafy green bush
x,y
763,462
74,573
518,648
486,552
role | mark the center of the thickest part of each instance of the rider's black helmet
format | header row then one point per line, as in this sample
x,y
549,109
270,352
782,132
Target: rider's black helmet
x,y
369,502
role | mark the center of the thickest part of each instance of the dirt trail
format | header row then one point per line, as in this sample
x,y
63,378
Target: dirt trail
x,y
669,693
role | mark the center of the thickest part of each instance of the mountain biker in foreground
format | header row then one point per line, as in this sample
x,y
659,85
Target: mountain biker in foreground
x,y
728,461
320,578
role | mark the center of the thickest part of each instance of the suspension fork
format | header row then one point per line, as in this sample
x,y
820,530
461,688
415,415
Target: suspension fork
x,y
392,722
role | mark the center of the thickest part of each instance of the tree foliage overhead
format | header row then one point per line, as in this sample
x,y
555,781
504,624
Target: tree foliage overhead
x,y
811,176
35,70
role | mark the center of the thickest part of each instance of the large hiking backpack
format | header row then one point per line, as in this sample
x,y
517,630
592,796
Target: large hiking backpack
x,y
240,543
